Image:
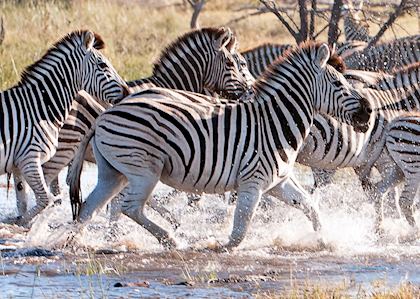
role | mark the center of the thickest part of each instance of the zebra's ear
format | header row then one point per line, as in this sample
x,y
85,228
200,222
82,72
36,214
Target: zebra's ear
x,y
89,40
232,45
222,38
323,55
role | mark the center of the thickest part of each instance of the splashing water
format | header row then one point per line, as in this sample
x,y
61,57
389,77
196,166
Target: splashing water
x,y
278,233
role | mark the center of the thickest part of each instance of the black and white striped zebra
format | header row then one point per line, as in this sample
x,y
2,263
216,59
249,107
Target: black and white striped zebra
x,y
189,63
387,56
354,29
192,144
259,58
332,145
402,156
33,111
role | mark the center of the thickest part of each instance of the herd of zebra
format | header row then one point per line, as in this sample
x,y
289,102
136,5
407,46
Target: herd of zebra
x,y
212,120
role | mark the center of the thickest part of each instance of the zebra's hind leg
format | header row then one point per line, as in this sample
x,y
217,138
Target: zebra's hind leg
x,y
406,200
390,179
141,186
293,194
247,202
110,183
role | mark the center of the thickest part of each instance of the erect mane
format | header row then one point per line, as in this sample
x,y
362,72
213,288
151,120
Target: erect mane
x,y
181,40
335,60
407,69
69,38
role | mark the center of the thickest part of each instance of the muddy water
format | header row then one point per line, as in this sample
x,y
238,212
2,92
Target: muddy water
x,y
280,250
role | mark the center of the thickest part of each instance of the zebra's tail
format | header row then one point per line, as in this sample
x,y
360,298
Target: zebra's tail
x,y
74,172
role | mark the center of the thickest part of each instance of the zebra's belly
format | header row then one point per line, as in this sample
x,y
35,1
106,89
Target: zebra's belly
x,y
194,182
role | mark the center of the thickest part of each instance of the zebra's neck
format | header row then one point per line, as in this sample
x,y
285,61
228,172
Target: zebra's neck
x,y
286,114
50,85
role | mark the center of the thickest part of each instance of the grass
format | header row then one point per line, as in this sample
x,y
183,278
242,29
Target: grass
x,y
134,33
343,290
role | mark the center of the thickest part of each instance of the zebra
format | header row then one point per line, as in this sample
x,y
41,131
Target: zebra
x,y
402,159
194,145
354,30
259,58
332,145
386,56
327,131
34,110
216,54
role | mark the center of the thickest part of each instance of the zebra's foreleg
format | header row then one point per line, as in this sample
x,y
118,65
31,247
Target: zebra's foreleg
x,y
55,187
140,188
34,176
293,194
247,202
22,192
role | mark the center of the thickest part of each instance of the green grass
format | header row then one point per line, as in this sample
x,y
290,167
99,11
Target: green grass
x,y
134,34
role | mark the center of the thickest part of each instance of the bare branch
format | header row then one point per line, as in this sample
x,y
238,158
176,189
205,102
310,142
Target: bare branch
x,y
333,31
2,31
312,22
303,14
271,6
399,10
243,17
197,5
320,31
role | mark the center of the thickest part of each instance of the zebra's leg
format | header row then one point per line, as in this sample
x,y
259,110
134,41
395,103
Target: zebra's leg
x,y
247,202
22,192
406,200
322,177
390,179
34,176
55,187
293,194
115,208
110,183
141,186
154,204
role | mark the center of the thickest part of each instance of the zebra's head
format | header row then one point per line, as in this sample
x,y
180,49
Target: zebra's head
x,y
227,72
98,76
333,94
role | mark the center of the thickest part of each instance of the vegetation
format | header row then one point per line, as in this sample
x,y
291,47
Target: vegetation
x,y
134,33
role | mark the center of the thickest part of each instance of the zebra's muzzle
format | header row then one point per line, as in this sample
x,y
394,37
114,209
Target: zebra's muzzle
x,y
362,116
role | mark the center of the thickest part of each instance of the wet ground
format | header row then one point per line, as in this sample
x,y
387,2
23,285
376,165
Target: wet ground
x,y
281,252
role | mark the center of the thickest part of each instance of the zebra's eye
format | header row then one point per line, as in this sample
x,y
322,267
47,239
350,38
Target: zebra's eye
x,y
102,65
337,83
230,63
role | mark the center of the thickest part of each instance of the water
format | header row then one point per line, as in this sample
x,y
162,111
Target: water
x,y
280,251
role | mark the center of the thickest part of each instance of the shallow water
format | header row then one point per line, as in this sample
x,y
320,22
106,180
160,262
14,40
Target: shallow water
x,y
280,250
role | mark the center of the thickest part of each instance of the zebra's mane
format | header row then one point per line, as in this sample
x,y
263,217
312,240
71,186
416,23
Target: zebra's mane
x,y
67,39
306,47
181,40
407,69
